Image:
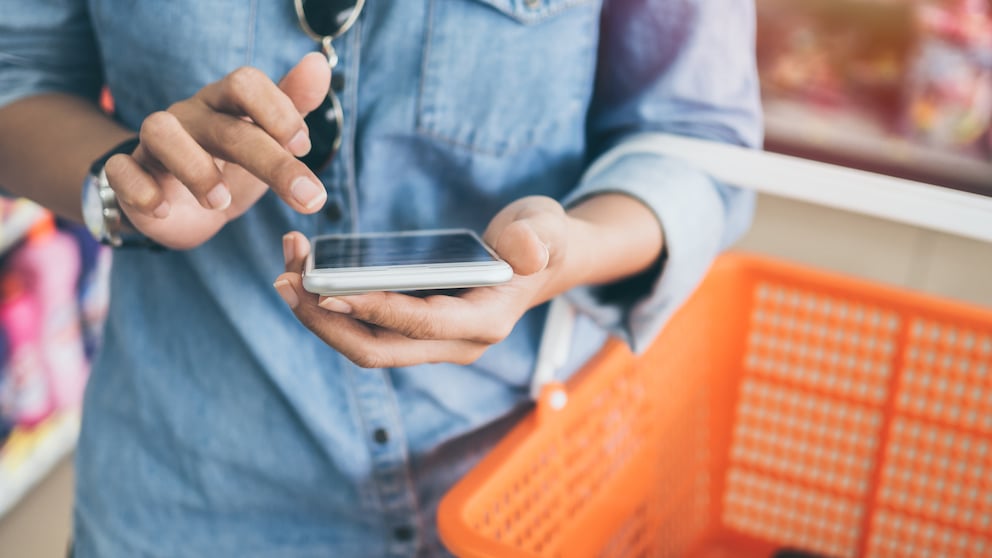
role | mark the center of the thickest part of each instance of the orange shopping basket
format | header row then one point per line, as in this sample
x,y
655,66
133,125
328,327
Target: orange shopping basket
x,y
782,412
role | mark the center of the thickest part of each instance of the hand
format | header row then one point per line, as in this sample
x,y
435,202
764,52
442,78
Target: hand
x,y
387,329
206,160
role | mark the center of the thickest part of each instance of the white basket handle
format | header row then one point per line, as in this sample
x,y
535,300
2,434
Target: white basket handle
x,y
556,342
896,199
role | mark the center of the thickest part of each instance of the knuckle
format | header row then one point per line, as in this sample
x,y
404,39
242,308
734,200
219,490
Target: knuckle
x,y
130,191
201,175
241,81
419,328
497,332
374,314
469,356
367,359
505,330
144,199
285,168
308,320
413,326
280,122
115,168
546,202
187,110
157,124
283,129
179,107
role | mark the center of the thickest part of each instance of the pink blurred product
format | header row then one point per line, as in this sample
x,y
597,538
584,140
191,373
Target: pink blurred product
x,y
25,395
950,87
50,261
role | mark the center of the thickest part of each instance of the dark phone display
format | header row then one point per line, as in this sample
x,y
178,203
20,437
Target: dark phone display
x,y
377,251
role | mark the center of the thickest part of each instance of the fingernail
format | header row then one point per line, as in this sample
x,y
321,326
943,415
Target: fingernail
x,y
332,304
287,293
307,193
219,198
288,248
162,211
300,144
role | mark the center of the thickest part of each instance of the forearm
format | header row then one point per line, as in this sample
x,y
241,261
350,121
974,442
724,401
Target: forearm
x,y
611,237
47,143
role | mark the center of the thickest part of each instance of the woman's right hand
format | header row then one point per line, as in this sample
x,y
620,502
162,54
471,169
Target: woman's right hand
x,y
206,160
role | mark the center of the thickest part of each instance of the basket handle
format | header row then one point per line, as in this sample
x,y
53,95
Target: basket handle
x,y
556,342
877,195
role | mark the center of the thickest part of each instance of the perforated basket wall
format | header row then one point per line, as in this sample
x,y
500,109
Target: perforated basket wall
x,y
781,407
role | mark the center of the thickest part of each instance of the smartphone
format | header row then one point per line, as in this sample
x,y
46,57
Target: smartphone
x,y
341,264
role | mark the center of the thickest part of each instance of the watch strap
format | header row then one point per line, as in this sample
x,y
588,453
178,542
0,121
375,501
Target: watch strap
x,y
126,147
116,231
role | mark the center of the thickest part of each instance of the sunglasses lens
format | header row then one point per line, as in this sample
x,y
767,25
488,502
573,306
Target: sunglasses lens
x,y
327,17
325,134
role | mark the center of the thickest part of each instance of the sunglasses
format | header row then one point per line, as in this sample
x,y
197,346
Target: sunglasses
x,y
324,21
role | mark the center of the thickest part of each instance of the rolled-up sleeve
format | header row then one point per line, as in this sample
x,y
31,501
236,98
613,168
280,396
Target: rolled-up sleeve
x,y
678,67
47,46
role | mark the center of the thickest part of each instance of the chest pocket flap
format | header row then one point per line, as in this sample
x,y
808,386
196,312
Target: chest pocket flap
x,y
501,75
532,11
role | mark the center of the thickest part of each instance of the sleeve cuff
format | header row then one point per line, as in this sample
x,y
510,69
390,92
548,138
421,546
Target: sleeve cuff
x,y
693,211
45,48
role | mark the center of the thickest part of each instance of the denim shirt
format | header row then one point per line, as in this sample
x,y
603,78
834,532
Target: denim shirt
x,y
215,424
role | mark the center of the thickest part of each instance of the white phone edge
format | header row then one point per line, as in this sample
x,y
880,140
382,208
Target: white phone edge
x,y
346,281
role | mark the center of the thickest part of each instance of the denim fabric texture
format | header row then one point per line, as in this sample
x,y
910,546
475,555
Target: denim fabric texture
x,y
215,424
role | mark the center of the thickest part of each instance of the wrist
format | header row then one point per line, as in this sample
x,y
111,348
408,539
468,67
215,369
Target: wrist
x,y
616,236
102,212
571,263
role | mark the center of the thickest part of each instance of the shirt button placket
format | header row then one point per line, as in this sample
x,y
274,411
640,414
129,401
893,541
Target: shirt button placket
x,y
404,533
374,392
390,467
396,491
380,435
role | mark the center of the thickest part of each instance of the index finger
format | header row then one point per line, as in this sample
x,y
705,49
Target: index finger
x,y
483,318
249,92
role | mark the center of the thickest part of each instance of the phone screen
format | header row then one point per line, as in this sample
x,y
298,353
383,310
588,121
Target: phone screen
x,y
392,250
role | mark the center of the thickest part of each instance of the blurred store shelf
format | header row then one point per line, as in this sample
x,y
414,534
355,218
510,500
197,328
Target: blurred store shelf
x,y
850,139
29,456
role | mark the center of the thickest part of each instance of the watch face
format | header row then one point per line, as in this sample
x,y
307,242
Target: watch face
x,y
93,208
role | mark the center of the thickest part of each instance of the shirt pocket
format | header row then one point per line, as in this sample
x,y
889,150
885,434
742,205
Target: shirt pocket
x,y
502,75
156,53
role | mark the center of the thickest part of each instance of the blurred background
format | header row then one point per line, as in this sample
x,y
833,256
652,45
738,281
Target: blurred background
x,y
900,87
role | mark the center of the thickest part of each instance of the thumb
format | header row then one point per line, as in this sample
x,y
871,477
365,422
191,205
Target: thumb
x,y
529,234
308,82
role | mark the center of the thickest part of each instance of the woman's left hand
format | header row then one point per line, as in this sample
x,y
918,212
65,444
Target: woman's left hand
x,y
388,329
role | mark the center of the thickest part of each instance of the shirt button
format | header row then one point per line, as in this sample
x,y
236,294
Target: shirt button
x,y
533,4
380,435
332,210
337,82
403,533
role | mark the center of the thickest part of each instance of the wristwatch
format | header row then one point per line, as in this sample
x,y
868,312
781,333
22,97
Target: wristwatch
x,y
101,211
